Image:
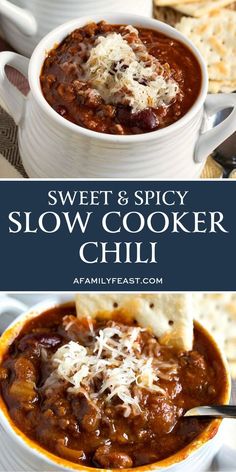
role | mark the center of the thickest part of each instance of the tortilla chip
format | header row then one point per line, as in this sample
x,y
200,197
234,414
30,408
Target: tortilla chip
x,y
198,9
217,312
215,37
169,316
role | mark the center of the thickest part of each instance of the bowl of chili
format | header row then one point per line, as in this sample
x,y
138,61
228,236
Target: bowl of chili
x,y
52,417
151,128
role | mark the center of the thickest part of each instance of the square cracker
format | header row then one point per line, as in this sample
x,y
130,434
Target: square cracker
x,y
198,9
225,86
169,316
215,37
170,3
217,312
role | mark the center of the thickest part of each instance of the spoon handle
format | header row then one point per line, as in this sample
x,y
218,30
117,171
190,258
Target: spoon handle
x,y
223,411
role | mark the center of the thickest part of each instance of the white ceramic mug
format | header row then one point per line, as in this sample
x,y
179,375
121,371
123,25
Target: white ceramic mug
x,y
26,22
53,147
197,456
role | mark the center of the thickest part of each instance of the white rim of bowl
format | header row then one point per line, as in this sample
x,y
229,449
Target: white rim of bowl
x,y
55,36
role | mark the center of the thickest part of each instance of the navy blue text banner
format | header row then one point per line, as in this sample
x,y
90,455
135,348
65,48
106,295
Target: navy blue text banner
x,y
117,236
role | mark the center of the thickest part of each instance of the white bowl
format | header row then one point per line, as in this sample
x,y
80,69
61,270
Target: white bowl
x,y
197,456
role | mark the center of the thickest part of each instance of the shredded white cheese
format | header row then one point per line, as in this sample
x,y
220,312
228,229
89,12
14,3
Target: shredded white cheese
x,y
125,73
114,359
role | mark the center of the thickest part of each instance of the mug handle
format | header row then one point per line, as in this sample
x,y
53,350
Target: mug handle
x,y
9,309
11,99
22,19
211,139
11,304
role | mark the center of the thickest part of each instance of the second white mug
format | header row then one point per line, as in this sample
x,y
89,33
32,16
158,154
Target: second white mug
x,y
26,22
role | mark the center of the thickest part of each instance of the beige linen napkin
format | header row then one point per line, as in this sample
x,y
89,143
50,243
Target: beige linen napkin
x,y
7,171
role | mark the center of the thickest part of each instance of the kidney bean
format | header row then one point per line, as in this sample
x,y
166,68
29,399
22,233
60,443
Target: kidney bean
x,y
39,340
146,119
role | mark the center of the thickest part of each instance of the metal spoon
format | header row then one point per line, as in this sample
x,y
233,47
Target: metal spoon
x,y
221,411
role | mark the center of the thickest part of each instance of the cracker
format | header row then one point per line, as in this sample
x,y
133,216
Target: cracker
x,y
225,86
217,312
233,369
212,170
167,3
169,316
198,9
215,37
232,6
93,304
